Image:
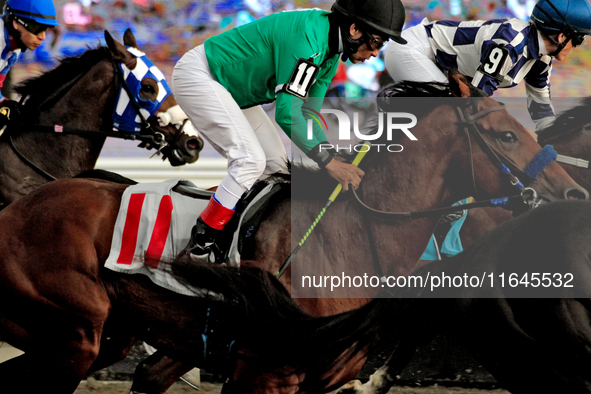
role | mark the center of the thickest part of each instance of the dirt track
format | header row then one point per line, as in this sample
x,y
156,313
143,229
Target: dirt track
x,y
100,387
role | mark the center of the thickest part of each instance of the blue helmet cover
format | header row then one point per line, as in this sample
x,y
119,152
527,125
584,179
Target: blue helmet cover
x,y
40,11
574,14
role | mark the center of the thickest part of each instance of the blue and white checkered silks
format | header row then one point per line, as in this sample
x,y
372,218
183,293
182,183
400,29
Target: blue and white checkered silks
x,y
464,46
125,118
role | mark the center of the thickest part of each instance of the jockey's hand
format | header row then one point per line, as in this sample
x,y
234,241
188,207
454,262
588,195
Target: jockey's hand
x,y
9,110
345,173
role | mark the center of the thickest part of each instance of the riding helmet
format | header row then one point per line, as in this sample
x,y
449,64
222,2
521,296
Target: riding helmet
x,y
562,16
384,17
39,11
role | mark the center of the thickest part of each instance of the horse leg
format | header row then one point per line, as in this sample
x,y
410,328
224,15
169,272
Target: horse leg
x,y
156,374
113,349
37,372
383,379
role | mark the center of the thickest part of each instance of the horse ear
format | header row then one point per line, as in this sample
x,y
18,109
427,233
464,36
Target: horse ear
x,y
459,85
118,50
129,39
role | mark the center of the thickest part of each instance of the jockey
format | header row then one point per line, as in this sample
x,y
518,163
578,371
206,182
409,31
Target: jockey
x,y
221,84
498,53
24,26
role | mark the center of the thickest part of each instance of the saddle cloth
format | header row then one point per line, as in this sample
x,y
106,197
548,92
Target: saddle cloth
x,y
154,225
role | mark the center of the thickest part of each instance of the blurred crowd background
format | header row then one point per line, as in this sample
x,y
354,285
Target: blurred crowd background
x,y
166,29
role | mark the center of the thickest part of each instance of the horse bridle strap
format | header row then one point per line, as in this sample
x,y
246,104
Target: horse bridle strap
x,y
157,139
493,154
28,162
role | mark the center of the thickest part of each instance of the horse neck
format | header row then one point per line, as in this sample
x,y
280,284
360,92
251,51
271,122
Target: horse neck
x,y
426,175
88,105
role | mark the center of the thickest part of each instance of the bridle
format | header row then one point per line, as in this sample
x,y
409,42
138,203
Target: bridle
x,y
148,135
527,197
506,166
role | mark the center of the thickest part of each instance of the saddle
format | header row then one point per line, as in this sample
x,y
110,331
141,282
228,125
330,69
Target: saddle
x,y
237,238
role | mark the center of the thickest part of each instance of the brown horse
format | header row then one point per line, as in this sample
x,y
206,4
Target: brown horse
x,y
70,315
433,172
569,135
80,95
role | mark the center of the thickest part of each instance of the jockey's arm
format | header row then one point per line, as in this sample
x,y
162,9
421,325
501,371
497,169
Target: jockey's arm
x,y
288,106
290,117
537,87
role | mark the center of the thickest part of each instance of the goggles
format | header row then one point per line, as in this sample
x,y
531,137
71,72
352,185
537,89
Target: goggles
x,y
374,42
577,39
32,26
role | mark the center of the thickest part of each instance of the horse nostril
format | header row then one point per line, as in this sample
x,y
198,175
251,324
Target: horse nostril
x,y
577,194
193,144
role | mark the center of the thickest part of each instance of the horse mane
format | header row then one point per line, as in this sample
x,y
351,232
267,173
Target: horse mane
x,y
429,92
42,86
569,121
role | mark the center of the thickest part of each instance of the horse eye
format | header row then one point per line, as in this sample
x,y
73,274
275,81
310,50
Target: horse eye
x,y
148,89
507,137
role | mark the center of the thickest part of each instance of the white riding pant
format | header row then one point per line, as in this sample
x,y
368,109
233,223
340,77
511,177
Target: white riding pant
x,y
247,138
414,61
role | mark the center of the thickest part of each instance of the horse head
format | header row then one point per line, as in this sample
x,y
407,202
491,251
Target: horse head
x,y
149,105
508,144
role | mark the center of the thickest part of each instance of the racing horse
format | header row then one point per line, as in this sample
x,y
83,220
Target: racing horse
x,y
68,112
71,315
532,337
569,135
450,160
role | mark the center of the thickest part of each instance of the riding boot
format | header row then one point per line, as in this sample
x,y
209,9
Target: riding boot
x,y
208,228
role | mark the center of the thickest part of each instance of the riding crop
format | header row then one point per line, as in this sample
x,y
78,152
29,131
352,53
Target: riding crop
x,y
331,199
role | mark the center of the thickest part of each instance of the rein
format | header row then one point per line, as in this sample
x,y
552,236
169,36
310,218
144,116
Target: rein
x,y
152,137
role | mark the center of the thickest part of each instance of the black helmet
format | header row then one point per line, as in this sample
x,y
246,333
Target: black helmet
x,y
384,17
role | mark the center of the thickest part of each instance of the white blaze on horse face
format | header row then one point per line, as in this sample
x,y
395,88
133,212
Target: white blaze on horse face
x,y
189,129
174,115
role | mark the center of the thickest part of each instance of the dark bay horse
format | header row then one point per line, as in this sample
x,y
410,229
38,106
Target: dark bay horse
x,y
70,315
433,172
80,95
530,342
